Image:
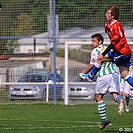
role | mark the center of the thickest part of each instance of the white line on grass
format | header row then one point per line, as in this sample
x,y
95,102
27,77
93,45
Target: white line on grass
x,y
80,124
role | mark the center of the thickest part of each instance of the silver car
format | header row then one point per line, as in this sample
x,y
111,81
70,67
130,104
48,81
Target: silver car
x,y
80,89
36,90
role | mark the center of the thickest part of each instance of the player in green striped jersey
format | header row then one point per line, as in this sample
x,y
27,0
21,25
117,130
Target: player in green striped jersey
x,y
107,80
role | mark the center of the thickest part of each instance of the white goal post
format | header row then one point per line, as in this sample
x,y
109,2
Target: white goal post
x,y
66,67
67,46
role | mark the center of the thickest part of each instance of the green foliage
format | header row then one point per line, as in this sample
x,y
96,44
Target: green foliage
x,y
87,47
74,54
60,52
38,11
29,17
85,14
25,26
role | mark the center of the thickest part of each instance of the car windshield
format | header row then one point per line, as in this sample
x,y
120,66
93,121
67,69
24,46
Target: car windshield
x,y
32,78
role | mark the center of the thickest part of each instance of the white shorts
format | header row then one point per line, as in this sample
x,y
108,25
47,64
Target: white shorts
x,y
125,88
108,82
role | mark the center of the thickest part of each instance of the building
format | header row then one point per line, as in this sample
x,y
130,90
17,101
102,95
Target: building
x,y
38,43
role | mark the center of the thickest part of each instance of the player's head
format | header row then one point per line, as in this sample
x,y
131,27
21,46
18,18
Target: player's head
x,y
97,39
114,11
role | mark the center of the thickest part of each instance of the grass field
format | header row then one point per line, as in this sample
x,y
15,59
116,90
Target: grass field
x,y
48,118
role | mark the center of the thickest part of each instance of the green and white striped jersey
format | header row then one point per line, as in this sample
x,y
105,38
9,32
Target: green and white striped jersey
x,y
107,67
121,79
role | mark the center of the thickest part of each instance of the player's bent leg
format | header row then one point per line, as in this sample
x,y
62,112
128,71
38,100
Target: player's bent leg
x,y
127,108
94,71
129,79
85,76
121,107
125,74
120,101
102,111
127,102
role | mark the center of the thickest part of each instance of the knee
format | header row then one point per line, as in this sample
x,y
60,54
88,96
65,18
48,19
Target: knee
x,y
126,95
98,97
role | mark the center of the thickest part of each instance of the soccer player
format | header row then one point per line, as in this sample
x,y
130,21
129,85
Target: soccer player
x,y
108,79
125,88
121,53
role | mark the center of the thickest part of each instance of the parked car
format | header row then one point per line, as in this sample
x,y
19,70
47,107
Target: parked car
x,y
80,89
36,91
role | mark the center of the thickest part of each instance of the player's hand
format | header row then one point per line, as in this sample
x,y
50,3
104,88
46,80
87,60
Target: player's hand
x,y
100,57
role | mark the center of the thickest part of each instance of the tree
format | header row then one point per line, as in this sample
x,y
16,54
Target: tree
x,y
25,25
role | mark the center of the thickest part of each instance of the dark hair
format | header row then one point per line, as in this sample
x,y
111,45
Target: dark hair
x,y
114,11
98,36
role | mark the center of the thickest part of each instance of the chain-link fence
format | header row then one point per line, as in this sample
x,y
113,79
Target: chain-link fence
x,y
27,42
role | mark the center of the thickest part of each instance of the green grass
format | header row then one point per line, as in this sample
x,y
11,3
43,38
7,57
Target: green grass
x,y
48,118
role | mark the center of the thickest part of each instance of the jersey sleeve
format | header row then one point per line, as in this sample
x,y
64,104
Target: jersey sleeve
x,y
94,55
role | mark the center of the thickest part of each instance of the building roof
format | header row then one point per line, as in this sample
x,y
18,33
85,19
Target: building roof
x,y
74,33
